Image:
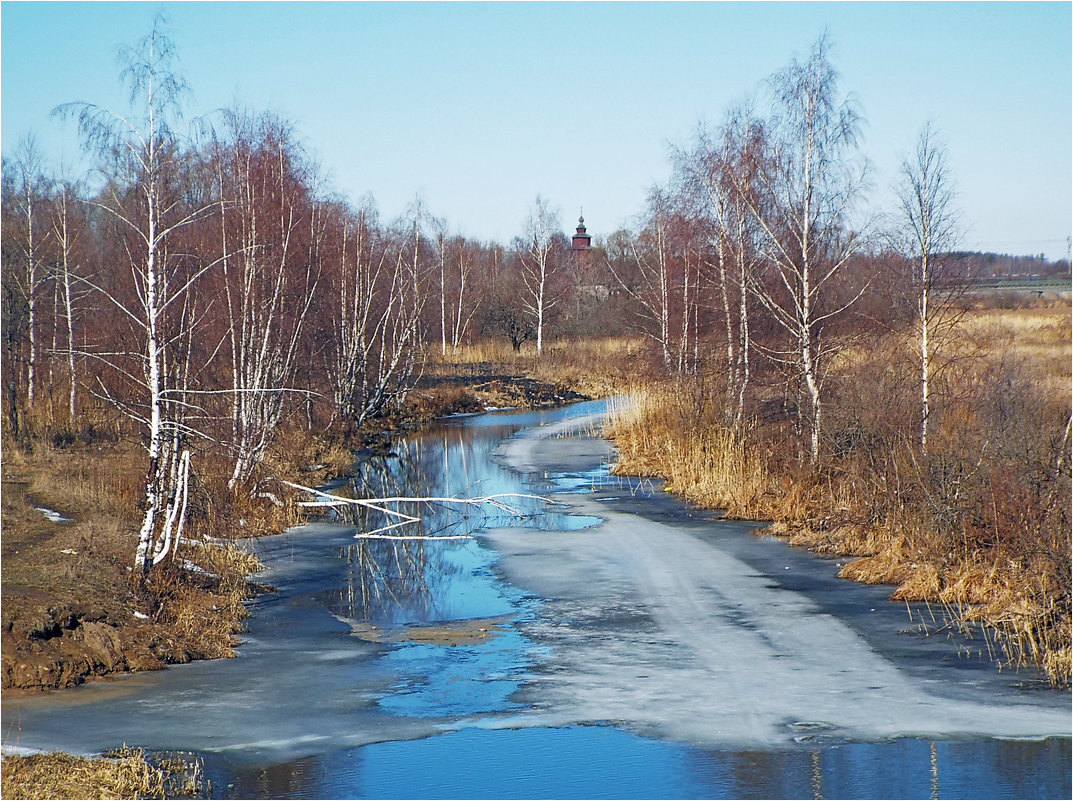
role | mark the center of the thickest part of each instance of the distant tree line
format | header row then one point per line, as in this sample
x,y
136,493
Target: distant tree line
x,y
981,266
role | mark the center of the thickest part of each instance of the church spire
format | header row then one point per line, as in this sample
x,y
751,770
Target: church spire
x,y
581,240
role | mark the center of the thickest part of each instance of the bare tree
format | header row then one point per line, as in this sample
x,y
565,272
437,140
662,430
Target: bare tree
x,y
30,196
807,186
377,334
141,155
441,252
642,267
928,231
540,263
718,176
465,303
269,227
67,226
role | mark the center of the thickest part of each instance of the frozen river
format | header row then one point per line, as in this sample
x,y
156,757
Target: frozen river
x,y
617,645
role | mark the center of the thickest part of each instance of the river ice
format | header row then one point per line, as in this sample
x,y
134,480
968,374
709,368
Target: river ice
x,y
661,627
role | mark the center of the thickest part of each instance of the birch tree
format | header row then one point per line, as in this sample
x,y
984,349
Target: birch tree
x,y
141,154
67,225
30,196
377,332
718,176
269,228
928,231
12,307
540,263
807,186
441,252
465,302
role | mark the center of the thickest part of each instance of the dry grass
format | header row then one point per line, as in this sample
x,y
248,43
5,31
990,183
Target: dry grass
x,y
592,367
73,576
127,773
1037,341
660,432
980,524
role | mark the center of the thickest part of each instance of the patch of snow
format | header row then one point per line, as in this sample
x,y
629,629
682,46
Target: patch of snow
x,y
52,515
186,564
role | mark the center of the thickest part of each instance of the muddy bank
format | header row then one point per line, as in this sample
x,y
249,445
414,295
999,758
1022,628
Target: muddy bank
x,y
67,600
48,647
68,606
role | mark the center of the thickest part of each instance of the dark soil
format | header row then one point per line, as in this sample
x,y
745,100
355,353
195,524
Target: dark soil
x,y
486,385
68,601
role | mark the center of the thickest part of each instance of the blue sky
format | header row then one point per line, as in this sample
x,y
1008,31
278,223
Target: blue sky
x,y
479,107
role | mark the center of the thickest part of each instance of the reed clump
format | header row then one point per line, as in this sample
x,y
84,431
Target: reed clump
x,y
126,773
662,432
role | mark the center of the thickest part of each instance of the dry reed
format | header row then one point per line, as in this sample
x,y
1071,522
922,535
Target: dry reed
x,y
126,773
979,524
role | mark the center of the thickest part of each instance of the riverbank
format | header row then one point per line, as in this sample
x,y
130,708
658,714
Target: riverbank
x,y
979,525
657,623
72,613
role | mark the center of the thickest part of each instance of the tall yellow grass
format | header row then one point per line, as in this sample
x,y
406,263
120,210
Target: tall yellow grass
x,y
979,526
658,434
125,774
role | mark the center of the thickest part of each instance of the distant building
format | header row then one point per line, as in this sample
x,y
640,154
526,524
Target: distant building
x,y
581,240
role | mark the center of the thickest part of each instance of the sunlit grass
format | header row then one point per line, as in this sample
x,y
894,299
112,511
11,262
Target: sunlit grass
x,y
980,526
127,773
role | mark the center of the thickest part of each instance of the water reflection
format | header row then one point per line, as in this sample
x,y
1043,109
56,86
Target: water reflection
x,y
286,718
411,580
602,762
385,579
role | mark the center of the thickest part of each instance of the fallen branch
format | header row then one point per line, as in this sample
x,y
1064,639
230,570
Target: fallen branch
x,y
405,519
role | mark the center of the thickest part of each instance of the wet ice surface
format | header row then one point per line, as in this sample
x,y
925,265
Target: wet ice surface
x,y
700,632
641,650
675,637
301,683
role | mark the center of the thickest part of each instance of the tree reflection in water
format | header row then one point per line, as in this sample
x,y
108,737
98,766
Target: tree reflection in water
x,y
393,581
594,761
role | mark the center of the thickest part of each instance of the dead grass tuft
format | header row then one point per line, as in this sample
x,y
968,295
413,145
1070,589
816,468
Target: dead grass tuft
x,y
127,773
665,433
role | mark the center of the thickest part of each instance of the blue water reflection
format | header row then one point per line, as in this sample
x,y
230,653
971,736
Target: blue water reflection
x,y
604,762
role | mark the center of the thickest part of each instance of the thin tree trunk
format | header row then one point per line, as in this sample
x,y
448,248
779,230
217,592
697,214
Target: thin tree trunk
x,y
152,355
925,355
